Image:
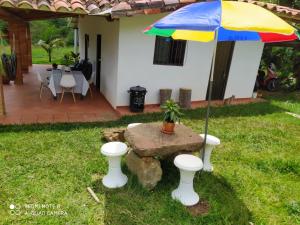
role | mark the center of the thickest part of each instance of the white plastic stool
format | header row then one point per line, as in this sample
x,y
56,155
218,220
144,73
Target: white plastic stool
x,y
211,142
131,125
188,165
114,151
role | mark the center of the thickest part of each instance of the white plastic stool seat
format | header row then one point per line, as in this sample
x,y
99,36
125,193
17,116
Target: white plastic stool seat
x,y
115,177
211,142
131,125
114,148
188,165
188,162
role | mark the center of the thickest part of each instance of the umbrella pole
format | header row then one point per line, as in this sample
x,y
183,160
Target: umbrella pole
x,y
211,80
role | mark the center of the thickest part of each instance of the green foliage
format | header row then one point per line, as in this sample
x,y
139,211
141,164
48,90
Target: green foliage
x,y
290,3
40,56
172,112
70,58
51,29
283,57
51,44
75,56
67,59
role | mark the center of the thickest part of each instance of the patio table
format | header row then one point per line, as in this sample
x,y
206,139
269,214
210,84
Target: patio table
x,y
149,145
82,85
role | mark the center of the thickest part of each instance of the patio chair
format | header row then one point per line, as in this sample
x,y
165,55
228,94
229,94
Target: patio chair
x,y
91,81
43,82
67,83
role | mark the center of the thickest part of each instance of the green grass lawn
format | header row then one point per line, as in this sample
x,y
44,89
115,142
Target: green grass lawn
x,y
256,177
39,55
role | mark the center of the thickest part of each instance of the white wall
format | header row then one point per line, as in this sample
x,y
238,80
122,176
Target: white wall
x,y
136,51
242,75
93,25
127,60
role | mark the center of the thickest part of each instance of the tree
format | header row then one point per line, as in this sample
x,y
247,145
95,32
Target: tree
x,y
290,3
49,45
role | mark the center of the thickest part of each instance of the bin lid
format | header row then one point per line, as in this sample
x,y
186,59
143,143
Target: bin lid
x,y
138,89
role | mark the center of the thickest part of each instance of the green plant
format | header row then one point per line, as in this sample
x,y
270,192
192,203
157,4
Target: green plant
x,y
51,44
75,56
67,59
172,112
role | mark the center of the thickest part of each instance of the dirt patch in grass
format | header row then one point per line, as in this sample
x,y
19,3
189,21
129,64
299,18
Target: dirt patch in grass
x,y
200,209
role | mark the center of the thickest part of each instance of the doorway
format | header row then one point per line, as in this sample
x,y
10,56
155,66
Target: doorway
x,y
223,62
98,62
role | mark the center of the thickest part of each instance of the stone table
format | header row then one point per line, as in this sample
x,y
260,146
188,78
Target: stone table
x,y
149,144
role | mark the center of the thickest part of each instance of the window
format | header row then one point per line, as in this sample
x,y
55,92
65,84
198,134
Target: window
x,y
168,51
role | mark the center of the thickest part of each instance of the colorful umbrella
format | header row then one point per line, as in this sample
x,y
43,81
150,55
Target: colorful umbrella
x,y
234,21
223,21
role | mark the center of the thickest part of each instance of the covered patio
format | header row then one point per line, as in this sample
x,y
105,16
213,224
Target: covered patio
x,y
23,105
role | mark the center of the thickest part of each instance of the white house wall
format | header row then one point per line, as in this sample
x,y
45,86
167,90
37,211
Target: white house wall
x,y
242,75
136,51
93,25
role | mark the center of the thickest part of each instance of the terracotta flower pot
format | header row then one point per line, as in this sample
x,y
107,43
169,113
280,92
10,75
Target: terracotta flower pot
x,y
168,128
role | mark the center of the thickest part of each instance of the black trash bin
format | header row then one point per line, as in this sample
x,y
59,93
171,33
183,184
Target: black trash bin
x,y
137,98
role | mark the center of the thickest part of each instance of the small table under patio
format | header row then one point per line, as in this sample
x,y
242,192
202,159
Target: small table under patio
x,y
149,145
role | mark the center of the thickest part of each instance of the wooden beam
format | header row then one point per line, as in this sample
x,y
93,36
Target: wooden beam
x,y
10,17
50,16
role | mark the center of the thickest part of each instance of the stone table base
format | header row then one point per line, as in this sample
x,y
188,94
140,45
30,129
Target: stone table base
x,y
147,169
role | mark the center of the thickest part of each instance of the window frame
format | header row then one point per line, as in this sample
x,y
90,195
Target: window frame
x,y
172,59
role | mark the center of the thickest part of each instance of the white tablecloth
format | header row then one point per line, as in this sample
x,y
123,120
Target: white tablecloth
x,y
82,85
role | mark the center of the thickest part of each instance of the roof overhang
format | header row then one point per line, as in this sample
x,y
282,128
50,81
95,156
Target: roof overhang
x,y
284,12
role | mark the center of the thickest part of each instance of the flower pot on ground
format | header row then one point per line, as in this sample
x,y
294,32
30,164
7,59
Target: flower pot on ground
x,y
171,116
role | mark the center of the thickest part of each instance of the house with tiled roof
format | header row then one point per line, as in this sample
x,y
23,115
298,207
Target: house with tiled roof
x,y
110,36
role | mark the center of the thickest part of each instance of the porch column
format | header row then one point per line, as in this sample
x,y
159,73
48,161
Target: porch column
x,y
19,42
29,50
2,103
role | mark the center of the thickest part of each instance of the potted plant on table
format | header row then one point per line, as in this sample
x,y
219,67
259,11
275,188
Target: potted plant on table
x,y
67,61
171,116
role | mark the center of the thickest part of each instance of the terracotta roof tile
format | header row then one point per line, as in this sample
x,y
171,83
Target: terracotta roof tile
x,y
122,6
283,11
128,7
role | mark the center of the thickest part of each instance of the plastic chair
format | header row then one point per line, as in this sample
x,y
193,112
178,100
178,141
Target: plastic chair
x,y
67,82
43,82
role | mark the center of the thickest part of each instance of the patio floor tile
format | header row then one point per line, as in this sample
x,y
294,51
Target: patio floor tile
x,y
24,106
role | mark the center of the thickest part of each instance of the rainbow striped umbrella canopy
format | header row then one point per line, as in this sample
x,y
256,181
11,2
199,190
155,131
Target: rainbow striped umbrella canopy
x,y
234,21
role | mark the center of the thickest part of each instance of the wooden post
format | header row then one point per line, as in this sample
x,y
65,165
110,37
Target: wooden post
x,y
2,103
165,94
29,45
185,98
19,45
